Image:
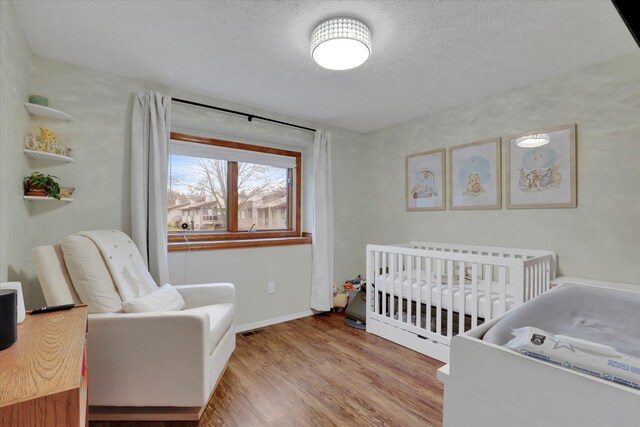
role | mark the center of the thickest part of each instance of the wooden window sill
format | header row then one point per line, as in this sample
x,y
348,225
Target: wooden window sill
x,y
226,236
233,244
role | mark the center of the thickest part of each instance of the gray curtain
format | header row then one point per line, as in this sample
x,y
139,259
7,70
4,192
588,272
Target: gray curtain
x,y
150,129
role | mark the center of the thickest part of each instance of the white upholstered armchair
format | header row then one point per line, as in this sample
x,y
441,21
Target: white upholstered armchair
x,y
152,365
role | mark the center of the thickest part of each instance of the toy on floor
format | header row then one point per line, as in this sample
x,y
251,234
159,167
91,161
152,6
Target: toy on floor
x,y
354,284
355,314
340,299
355,281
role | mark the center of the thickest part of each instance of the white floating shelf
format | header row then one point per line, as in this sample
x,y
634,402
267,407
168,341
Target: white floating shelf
x,y
47,199
44,155
52,113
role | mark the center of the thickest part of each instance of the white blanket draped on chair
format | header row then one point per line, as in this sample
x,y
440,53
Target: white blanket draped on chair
x,y
124,262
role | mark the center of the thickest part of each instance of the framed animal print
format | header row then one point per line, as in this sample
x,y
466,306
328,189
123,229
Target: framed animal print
x,y
545,176
475,176
425,181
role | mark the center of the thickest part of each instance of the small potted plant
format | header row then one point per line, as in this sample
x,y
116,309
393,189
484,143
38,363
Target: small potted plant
x,y
41,185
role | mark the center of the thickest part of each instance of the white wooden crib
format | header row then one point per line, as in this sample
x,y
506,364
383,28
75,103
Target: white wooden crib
x,y
447,285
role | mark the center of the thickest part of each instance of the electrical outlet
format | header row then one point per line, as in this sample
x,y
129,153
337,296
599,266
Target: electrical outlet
x,y
271,287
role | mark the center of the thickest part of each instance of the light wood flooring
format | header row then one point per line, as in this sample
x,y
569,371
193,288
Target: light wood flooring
x,y
316,371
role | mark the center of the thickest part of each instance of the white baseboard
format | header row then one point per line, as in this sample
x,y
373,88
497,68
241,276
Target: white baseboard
x,y
275,320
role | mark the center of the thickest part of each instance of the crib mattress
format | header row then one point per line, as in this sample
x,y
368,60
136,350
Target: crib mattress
x,y
604,316
432,287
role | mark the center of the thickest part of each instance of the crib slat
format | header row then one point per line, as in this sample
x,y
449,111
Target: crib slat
x,y
502,281
376,269
541,277
429,280
402,297
439,296
488,278
408,267
419,289
537,279
474,295
527,284
532,285
463,297
547,268
392,275
385,276
450,298
401,280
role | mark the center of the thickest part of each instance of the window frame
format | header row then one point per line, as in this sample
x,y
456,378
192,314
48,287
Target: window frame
x,y
232,237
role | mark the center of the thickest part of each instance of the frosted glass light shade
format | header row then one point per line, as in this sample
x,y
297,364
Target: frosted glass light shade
x,y
531,141
341,43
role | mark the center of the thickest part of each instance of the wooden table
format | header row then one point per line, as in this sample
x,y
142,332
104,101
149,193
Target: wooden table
x,y
43,376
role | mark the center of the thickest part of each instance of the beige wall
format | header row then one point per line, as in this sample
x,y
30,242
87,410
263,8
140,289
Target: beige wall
x,y
15,58
600,239
101,103
289,267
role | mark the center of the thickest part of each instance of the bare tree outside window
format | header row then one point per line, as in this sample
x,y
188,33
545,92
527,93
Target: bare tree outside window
x,y
198,188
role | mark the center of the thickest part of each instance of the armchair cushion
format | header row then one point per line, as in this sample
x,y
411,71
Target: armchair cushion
x,y
90,275
207,294
166,298
220,320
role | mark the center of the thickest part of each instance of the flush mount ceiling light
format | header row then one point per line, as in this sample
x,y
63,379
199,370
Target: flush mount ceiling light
x,y
531,141
341,43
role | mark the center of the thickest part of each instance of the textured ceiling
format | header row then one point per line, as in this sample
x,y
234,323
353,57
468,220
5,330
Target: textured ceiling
x,y
427,55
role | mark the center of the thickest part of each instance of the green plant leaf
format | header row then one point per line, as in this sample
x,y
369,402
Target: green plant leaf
x,y
51,187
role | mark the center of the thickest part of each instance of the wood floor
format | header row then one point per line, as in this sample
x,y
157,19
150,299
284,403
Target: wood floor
x,y
316,371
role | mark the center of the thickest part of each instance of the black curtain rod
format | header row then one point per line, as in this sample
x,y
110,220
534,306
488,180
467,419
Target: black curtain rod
x,y
249,117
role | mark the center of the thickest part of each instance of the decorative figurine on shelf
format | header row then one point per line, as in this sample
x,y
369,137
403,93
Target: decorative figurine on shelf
x,y
46,141
66,192
49,140
32,143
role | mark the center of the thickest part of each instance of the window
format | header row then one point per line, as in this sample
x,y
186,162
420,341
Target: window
x,y
262,197
227,191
